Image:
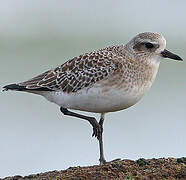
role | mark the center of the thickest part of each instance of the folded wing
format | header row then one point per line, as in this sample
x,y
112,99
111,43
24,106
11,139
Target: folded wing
x,y
75,74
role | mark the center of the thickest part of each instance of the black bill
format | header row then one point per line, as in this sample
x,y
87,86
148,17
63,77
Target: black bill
x,y
168,54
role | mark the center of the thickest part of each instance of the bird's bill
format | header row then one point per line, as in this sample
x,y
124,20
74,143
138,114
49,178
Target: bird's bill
x,y
168,54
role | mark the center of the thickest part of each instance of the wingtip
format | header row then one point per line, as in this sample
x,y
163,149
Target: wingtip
x,y
12,87
4,89
16,87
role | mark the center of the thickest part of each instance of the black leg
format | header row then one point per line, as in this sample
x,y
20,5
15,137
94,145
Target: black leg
x,y
96,127
102,158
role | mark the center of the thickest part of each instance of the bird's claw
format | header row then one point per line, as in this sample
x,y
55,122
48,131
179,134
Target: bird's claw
x,y
97,132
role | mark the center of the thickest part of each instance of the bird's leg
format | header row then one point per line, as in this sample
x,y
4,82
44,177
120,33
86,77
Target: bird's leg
x,y
102,158
96,127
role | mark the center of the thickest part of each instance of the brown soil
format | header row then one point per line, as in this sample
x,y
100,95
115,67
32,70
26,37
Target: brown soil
x,y
145,169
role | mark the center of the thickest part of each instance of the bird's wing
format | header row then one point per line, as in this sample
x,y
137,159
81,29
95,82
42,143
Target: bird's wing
x,y
76,73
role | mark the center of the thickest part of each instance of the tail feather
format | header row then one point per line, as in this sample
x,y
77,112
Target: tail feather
x,y
17,87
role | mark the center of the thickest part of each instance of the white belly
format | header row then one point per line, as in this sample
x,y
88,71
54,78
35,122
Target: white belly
x,y
95,100
112,94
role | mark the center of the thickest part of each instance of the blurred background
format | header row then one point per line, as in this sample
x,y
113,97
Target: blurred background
x,y
39,35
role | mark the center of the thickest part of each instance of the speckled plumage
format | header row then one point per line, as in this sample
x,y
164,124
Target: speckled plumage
x,y
124,72
78,72
117,76
87,69
106,80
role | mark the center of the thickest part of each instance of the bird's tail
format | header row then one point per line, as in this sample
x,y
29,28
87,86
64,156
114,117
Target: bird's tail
x,y
30,85
14,87
19,87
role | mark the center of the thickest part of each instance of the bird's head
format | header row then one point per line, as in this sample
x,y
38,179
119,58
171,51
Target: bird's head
x,y
150,45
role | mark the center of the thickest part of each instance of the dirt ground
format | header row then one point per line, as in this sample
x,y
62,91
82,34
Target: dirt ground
x,y
142,169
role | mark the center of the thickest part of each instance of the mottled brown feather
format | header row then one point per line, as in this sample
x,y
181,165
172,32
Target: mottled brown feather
x,y
78,72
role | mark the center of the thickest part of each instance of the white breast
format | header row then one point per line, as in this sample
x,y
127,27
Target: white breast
x,y
95,100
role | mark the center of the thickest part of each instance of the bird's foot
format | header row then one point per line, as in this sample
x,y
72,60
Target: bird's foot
x,y
103,161
97,131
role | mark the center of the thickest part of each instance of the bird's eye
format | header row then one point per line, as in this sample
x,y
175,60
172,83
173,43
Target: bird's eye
x,y
149,45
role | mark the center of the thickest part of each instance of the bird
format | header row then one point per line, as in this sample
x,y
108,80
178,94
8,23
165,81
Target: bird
x,y
102,81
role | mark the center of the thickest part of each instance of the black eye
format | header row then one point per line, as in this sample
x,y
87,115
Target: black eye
x,y
149,45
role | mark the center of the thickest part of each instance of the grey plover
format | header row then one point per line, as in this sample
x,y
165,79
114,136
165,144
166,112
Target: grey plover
x,y
102,81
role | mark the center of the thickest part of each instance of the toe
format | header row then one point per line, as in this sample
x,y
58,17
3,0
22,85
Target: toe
x,y
97,132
